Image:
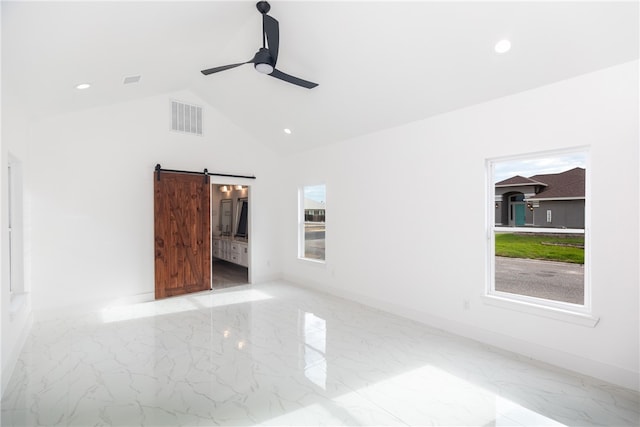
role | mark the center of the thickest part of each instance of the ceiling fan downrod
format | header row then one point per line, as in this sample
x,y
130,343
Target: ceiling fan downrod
x,y
264,8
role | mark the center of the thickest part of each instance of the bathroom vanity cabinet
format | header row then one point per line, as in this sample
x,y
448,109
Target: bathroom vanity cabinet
x,y
231,250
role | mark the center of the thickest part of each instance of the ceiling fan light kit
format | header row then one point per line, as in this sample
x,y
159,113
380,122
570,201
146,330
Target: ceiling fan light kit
x,y
266,57
263,62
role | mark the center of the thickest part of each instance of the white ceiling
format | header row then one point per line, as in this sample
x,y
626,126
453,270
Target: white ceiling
x,y
378,64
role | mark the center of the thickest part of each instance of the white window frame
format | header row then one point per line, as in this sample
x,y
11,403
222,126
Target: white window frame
x,y
14,257
11,225
575,313
301,220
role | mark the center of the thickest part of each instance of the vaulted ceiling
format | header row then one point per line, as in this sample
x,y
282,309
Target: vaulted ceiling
x,y
378,64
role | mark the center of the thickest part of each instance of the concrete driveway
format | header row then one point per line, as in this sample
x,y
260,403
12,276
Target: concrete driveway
x,y
556,281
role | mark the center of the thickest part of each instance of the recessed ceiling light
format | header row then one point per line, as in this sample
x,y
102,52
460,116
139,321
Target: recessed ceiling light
x,y
83,86
287,131
502,46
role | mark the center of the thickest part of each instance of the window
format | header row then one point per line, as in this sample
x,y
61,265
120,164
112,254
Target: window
x,y
312,228
10,221
14,225
537,220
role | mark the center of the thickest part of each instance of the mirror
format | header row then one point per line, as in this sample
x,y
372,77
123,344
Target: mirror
x,y
226,207
241,221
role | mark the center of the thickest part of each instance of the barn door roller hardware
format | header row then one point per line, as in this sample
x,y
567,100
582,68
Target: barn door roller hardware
x,y
206,173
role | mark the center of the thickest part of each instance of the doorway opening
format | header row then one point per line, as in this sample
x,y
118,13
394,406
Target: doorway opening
x,y
230,234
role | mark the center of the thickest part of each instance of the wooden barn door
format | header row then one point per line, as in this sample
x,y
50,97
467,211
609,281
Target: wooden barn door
x,y
182,233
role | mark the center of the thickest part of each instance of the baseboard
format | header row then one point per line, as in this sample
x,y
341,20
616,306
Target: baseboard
x,y
601,371
265,278
70,311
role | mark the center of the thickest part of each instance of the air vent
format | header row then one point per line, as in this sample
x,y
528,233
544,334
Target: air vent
x,y
186,118
131,79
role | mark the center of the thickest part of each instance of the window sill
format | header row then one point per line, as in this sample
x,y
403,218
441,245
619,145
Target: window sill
x,y
564,315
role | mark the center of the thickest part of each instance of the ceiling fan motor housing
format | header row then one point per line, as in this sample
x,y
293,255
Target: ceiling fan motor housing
x,y
263,61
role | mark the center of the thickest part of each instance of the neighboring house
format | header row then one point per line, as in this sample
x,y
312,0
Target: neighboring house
x,y
314,211
549,200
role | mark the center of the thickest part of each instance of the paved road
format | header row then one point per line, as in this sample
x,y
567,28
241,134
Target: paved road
x,y
557,281
314,241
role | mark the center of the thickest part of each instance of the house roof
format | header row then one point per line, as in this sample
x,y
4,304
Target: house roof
x,y
569,184
430,57
517,181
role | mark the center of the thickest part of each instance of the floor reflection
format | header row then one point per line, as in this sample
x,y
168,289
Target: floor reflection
x,y
276,354
313,348
511,414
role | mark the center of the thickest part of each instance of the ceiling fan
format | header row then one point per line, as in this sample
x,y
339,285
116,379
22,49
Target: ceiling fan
x,y
265,59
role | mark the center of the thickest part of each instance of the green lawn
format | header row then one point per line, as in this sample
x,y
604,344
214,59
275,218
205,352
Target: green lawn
x,y
541,246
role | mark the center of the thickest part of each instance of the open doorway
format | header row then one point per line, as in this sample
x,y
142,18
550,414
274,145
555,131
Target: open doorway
x,y
230,233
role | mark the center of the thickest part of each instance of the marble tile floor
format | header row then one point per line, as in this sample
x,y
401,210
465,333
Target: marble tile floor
x,y
276,354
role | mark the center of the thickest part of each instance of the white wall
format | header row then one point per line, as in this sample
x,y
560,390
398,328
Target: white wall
x,y
92,193
408,201
2,234
15,307
406,221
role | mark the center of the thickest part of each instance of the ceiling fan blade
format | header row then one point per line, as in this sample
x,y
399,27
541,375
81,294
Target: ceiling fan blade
x,y
290,79
273,35
224,67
